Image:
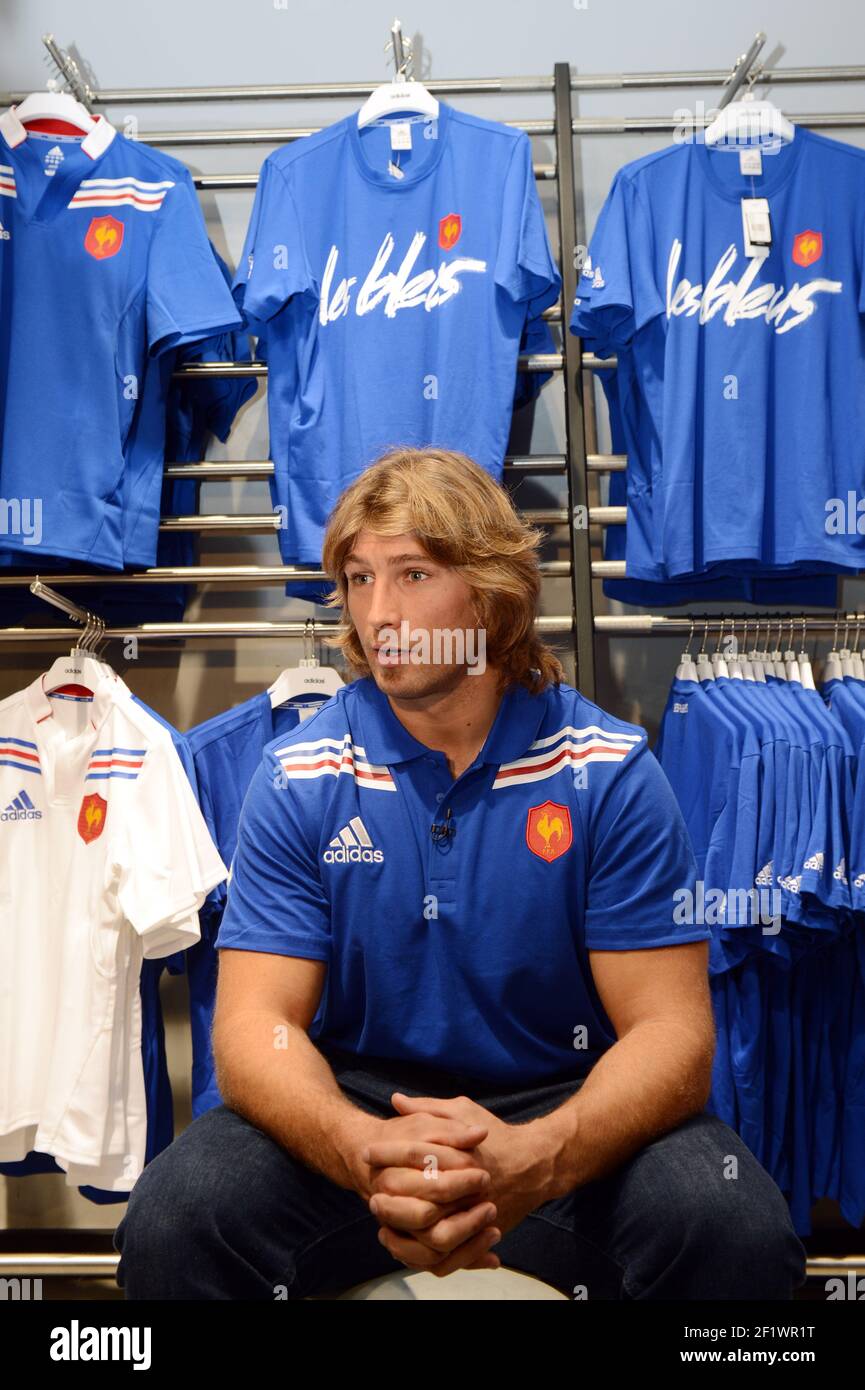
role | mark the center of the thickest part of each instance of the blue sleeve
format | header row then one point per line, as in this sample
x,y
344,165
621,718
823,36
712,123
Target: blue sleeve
x,y
618,294
642,874
214,904
276,900
536,338
525,267
824,872
187,298
273,265
198,408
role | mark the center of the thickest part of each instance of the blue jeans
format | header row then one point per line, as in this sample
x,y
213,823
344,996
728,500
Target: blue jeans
x,y
225,1212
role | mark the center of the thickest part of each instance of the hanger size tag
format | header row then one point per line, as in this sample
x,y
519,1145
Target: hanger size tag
x,y
394,170
750,162
756,226
400,135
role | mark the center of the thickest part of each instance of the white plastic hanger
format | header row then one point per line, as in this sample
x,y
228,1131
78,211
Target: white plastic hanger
x,y
686,670
856,659
719,661
82,667
775,665
846,656
832,669
403,94
791,665
55,106
705,671
749,123
308,677
756,658
806,675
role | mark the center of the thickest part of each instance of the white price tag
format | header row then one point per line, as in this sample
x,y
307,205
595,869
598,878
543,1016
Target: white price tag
x,y
756,226
395,170
400,135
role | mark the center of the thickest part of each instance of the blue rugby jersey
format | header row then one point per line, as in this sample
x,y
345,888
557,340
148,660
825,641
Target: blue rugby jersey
x,y
467,952
382,297
751,370
104,265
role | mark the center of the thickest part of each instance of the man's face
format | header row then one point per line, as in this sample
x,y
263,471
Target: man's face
x,y
414,617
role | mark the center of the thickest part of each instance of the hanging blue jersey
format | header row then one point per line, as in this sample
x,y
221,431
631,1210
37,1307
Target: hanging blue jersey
x,y
104,265
384,293
634,539
751,369
226,751
564,837
846,700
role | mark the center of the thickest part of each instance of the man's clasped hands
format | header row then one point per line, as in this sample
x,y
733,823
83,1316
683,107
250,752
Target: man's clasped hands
x,y
446,1179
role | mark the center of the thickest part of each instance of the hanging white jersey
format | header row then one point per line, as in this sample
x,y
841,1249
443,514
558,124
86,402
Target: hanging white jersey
x,y
104,859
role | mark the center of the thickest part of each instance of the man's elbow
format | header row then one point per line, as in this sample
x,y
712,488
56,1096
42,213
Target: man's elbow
x,y
698,1070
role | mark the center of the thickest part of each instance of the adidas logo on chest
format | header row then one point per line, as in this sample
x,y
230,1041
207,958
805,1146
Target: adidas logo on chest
x,y
353,846
20,808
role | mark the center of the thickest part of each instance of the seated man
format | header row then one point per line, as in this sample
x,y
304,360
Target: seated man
x,y
456,1024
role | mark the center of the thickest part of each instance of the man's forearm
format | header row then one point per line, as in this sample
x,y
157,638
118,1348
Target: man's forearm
x,y
270,1072
647,1083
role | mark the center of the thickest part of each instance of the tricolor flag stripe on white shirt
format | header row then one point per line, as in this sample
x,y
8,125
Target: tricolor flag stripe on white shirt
x,y
17,752
115,762
567,748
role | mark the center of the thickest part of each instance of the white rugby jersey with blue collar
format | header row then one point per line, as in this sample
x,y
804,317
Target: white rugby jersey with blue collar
x,y
104,860
467,951
104,263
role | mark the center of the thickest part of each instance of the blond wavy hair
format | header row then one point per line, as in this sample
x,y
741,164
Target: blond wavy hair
x,y
464,519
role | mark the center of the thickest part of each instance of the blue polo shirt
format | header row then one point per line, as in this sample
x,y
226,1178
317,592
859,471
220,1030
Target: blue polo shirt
x,y
471,952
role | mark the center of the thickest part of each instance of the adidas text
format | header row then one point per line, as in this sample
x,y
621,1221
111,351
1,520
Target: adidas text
x,y
355,855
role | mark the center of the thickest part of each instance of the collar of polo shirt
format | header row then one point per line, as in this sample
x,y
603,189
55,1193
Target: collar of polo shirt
x,y
95,142
41,708
387,741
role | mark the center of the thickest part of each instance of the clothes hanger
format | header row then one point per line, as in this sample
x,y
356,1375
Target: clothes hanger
x,y
744,661
403,93
832,669
749,122
58,113
704,665
81,672
855,657
308,677
719,662
686,670
846,655
755,658
791,665
734,660
806,675
778,669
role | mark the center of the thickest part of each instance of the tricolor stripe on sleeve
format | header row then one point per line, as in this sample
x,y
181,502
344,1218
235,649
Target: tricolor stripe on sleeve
x,y
567,749
116,193
328,757
7,181
115,762
17,752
